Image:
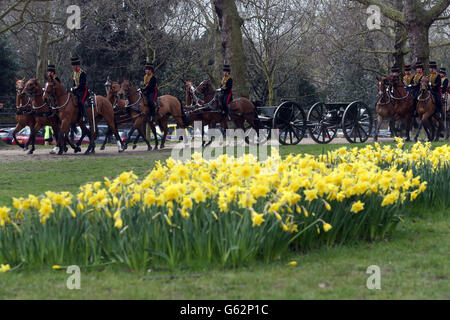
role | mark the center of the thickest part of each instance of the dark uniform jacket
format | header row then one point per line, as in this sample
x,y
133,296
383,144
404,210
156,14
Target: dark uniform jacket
x,y
80,85
150,88
435,82
227,90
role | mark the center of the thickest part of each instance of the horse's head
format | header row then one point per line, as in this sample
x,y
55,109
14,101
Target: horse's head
x,y
20,85
424,84
115,88
382,85
50,89
33,88
126,88
203,86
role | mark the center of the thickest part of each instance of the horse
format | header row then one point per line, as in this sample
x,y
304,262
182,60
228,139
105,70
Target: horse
x,y
120,113
24,114
66,105
426,108
384,107
208,116
43,114
242,109
446,109
138,110
403,104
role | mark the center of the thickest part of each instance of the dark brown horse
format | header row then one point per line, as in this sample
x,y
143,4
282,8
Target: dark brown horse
x,y
138,110
426,107
24,114
242,109
120,112
43,113
384,108
67,107
403,104
197,112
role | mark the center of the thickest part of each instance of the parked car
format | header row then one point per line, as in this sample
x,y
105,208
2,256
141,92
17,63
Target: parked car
x,y
6,135
24,134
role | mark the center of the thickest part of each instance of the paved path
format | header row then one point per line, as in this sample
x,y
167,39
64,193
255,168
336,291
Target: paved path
x,y
13,153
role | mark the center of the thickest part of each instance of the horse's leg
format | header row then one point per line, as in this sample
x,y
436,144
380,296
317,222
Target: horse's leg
x,y
32,123
63,133
165,129
37,126
153,127
416,137
141,130
108,135
109,118
19,126
377,128
408,128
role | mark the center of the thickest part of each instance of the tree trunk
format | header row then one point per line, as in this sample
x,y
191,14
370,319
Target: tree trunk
x,y
233,51
400,39
418,32
41,65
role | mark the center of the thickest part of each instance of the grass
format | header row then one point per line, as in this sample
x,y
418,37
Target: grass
x,y
414,261
412,267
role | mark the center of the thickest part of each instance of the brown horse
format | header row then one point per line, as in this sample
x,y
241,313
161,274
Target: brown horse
x,y
138,110
384,108
67,107
120,112
43,113
426,108
403,104
208,116
242,109
24,114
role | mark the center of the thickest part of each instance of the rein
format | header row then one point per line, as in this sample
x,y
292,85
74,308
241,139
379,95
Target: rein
x,y
426,99
403,98
65,104
380,98
136,103
24,106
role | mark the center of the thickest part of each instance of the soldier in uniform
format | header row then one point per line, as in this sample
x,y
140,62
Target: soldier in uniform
x,y
227,90
435,84
416,80
51,72
444,81
80,86
407,79
150,88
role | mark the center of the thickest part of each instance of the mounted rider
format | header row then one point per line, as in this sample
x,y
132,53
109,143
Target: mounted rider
x,y
435,85
79,88
51,72
417,79
150,88
226,90
408,78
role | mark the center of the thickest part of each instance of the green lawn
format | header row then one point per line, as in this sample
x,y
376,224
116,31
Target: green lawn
x,y
414,260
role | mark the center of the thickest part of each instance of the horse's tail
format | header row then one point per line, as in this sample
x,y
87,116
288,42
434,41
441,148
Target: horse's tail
x,y
183,114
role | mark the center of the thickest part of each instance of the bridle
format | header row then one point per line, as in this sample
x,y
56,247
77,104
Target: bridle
x,y
382,93
395,98
53,95
422,91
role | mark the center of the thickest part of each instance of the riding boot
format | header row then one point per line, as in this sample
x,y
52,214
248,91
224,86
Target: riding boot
x,y
83,112
228,109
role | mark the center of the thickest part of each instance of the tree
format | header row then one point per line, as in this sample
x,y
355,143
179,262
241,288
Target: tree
x,y
8,65
233,51
417,17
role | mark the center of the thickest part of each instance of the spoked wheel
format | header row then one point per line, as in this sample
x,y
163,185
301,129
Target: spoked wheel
x,y
357,122
321,124
290,120
251,135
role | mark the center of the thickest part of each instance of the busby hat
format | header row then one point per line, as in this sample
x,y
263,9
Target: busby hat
x,y
407,67
419,65
226,68
149,66
51,68
433,64
395,69
75,61
443,70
